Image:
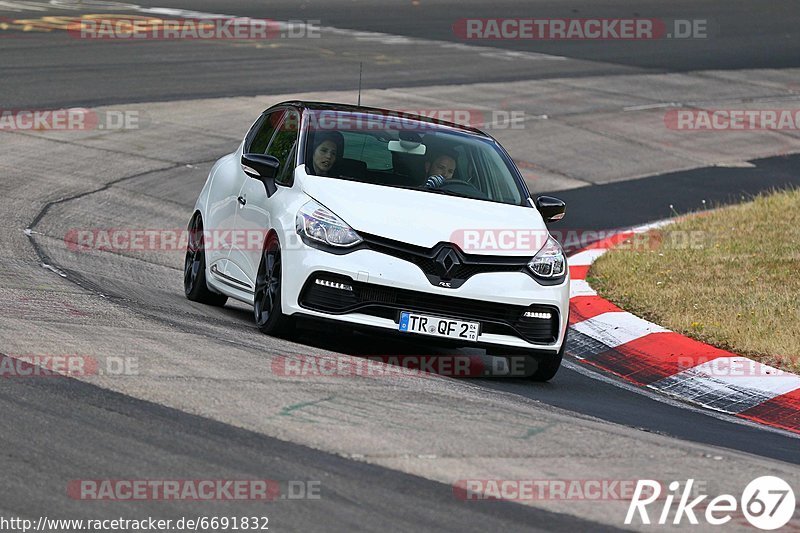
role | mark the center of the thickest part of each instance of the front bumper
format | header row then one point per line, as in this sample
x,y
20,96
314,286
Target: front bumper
x,y
385,285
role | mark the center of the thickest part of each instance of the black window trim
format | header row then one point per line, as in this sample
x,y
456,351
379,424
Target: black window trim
x,y
293,151
248,141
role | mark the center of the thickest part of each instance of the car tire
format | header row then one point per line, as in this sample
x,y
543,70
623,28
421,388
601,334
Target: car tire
x,y
267,310
194,268
547,366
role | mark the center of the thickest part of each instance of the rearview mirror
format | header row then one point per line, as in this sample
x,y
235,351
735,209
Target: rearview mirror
x,y
552,209
263,168
410,143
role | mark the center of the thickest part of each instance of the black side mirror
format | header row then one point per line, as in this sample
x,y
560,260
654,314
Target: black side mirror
x,y
263,168
552,209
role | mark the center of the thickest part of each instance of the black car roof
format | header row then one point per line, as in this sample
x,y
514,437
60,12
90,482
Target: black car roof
x,y
350,108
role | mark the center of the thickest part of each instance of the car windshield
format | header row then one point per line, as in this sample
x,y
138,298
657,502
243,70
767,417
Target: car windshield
x,y
395,151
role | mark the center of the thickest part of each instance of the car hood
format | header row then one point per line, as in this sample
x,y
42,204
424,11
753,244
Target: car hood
x,y
426,219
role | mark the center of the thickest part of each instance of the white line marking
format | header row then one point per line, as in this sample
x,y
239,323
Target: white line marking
x,y
485,51
51,268
644,107
735,164
616,328
586,257
644,228
579,287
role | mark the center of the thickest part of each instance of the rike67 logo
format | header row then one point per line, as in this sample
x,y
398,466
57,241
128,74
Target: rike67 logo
x,y
767,503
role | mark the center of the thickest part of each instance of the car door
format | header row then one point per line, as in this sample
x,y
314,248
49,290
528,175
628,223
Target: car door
x,y
254,217
227,183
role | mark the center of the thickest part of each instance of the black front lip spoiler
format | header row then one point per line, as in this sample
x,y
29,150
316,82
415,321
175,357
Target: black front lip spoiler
x,y
435,341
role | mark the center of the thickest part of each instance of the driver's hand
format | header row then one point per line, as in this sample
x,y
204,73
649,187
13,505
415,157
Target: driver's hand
x,y
434,182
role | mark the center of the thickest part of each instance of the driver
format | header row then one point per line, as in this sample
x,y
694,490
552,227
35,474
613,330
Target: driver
x,y
439,167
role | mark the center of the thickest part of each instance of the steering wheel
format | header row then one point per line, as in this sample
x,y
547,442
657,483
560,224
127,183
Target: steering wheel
x,y
463,187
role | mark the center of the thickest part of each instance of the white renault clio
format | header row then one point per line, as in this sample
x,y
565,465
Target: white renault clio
x,y
381,220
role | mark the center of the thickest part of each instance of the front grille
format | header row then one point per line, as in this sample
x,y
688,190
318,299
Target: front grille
x,y
387,302
426,260
464,271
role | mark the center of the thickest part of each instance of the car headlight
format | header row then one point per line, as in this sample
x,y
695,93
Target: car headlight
x,y
318,223
549,262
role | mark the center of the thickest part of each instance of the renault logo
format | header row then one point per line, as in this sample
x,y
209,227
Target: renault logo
x,y
446,262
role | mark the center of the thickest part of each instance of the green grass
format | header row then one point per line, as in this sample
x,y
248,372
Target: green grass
x,y
729,277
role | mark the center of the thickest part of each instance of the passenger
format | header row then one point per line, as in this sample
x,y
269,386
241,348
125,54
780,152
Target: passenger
x,y
439,167
328,148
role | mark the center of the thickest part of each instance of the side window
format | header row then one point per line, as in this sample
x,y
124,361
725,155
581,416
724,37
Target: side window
x,y
283,146
259,137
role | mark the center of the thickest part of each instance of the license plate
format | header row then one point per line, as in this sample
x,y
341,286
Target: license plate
x,y
439,327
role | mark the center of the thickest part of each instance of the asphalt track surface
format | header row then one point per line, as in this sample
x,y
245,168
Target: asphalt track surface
x,y
748,35
59,430
632,203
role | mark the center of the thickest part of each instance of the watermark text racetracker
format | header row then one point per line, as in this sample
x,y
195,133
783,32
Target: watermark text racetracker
x,y
726,367
72,119
132,28
202,490
580,29
63,365
732,119
546,489
121,240
145,28
401,366
406,119
521,241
